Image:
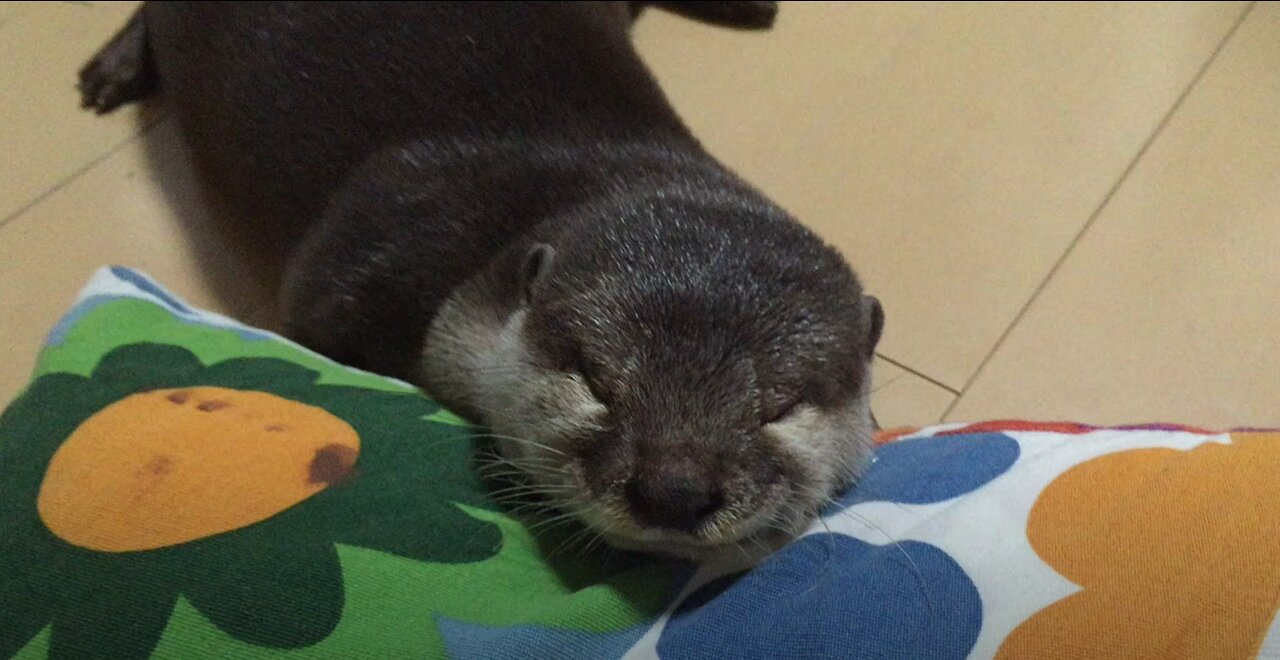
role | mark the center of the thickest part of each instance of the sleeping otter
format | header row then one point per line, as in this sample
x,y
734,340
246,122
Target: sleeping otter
x,y
495,201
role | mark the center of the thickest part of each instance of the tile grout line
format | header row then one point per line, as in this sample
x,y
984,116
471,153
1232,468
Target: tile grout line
x,y
1097,212
918,374
65,181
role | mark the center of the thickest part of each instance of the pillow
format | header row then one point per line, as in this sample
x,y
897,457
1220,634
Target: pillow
x,y
175,484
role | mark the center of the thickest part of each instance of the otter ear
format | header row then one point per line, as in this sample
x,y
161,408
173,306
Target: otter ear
x,y
875,323
534,268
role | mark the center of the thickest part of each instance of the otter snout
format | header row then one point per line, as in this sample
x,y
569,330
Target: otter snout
x,y
676,500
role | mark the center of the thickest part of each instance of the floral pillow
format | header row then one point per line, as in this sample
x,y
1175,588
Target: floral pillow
x,y
175,484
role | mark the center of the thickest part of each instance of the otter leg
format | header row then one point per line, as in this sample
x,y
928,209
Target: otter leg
x,y
739,15
121,72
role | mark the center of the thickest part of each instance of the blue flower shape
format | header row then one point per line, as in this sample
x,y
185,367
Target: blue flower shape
x,y
834,596
929,470
465,640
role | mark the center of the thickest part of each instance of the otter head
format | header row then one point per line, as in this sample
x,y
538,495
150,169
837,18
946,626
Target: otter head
x,y
687,381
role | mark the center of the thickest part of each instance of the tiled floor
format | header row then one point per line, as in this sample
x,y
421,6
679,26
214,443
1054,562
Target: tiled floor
x,y
1069,210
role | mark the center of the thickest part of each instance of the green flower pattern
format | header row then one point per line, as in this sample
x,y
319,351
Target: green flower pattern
x,y
363,567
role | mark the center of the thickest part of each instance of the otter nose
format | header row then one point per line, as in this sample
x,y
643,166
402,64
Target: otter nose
x,y
673,502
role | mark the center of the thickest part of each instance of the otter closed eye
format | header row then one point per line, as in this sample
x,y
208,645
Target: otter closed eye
x,y
783,412
579,371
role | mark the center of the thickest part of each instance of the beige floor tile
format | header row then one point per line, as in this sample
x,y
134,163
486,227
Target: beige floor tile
x,y
951,150
46,136
1167,310
10,10
901,398
120,7
119,212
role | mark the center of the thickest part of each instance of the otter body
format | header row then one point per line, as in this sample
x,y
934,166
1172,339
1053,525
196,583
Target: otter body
x,y
496,202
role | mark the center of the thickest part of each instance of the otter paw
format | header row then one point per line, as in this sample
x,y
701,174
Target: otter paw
x,y
119,73
110,80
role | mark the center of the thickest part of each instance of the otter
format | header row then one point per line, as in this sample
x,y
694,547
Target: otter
x,y
496,202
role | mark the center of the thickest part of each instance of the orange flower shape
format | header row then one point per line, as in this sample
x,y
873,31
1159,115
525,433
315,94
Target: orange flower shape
x,y
1177,554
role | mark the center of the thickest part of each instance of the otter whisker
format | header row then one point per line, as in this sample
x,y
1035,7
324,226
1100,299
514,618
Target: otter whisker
x,y
549,521
523,489
915,568
524,467
526,441
513,502
525,463
573,540
518,504
598,540
524,460
525,510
